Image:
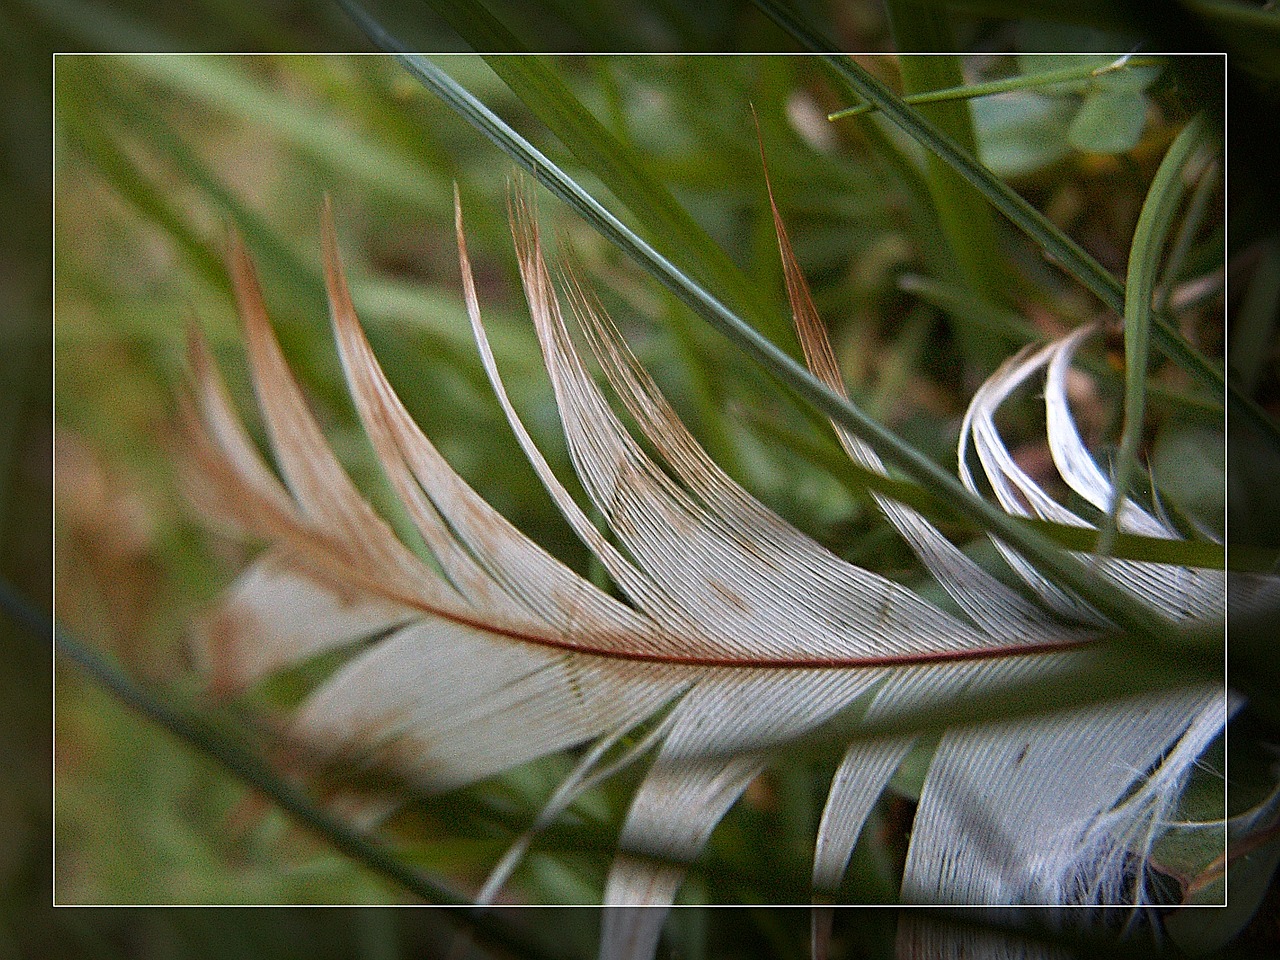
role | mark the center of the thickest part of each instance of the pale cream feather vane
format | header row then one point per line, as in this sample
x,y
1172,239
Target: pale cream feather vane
x,y
738,632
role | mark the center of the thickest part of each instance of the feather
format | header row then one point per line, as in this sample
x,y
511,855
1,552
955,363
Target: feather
x,y
737,633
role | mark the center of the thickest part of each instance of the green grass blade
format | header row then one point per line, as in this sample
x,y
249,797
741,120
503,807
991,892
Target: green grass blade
x,y
288,265
1154,223
191,724
349,154
192,727
1057,246
659,216
1187,553
132,182
964,215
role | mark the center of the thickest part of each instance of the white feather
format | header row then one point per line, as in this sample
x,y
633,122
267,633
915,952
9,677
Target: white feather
x,y
739,633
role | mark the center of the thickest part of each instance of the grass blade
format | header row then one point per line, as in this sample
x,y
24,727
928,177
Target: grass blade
x,y
1022,81
189,726
353,155
965,217
618,165
1149,236
132,183
1057,246
622,170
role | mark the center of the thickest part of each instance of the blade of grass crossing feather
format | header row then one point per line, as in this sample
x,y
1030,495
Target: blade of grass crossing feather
x,y
1187,553
986,601
1154,222
622,171
190,726
965,216
617,164
1125,611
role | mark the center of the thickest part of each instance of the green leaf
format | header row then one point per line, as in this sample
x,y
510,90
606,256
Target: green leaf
x,y
1188,462
1018,135
1238,886
1109,120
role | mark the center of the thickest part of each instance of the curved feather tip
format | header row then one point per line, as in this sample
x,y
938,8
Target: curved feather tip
x,y
737,633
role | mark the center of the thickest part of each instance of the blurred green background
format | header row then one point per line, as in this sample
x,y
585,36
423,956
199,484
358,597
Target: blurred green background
x,y
156,156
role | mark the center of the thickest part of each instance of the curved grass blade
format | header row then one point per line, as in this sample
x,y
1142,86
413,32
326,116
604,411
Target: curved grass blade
x,y
622,170
1209,181
138,188
1149,236
133,113
189,726
354,156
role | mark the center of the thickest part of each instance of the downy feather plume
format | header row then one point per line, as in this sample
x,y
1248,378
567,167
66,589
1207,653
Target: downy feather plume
x,y
738,632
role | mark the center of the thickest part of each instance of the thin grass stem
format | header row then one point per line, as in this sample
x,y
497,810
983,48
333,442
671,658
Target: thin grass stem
x,y
1024,81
